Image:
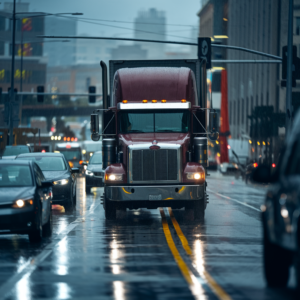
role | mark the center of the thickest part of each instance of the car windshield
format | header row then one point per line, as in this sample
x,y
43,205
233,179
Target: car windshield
x,y
71,154
10,151
12,175
47,163
139,121
96,159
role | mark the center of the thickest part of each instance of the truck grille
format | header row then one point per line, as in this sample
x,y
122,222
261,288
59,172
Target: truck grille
x,y
154,165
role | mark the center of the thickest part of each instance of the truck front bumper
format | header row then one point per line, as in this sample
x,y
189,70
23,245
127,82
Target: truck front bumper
x,y
154,193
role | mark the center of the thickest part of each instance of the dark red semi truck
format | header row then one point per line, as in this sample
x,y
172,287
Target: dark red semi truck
x,y
154,143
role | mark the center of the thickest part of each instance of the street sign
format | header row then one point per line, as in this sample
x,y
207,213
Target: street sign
x,y
204,50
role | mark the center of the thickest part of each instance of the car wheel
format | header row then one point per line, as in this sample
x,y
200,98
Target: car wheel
x,y
35,235
276,263
199,210
69,205
48,227
110,210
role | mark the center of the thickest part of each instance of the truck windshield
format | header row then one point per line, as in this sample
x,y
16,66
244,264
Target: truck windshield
x,y
71,154
139,121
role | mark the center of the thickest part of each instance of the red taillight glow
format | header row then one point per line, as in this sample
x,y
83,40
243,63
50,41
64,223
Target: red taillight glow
x,y
228,147
255,165
68,146
76,139
273,165
43,151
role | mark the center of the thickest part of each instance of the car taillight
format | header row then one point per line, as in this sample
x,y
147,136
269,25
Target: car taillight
x,y
273,165
255,165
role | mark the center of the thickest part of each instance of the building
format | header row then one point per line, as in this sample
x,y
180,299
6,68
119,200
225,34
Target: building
x,y
129,52
33,67
151,25
60,53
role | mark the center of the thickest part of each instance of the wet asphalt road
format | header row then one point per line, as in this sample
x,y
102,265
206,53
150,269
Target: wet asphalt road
x,y
145,254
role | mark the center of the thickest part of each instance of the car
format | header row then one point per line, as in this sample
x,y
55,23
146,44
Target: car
x,y
55,168
25,200
72,152
10,152
281,212
94,172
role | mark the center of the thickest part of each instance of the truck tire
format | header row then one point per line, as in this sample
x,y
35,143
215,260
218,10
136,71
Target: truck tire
x,y
199,209
110,210
276,263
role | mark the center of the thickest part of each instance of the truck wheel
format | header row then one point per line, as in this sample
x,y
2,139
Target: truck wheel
x,y
35,235
48,227
199,209
110,210
276,263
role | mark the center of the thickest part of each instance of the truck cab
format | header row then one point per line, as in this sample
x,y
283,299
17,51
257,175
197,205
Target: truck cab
x,y
154,143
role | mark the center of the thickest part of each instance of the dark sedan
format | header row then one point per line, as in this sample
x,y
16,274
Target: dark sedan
x,y
94,172
281,212
55,168
25,200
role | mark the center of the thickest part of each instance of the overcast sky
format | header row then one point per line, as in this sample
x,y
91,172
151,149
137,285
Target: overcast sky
x,y
177,12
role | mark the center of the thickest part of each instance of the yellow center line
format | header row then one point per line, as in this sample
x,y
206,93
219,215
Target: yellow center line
x,y
180,262
218,290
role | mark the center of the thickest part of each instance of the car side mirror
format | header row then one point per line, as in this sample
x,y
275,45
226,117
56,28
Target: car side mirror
x,y
47,184
75,170
262,174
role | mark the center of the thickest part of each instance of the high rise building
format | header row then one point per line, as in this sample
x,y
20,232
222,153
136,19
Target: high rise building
x,y
151,25
60,53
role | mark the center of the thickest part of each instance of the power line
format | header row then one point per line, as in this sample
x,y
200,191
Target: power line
x,y
120,27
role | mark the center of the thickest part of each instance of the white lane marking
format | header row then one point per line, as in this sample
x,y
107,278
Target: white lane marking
x,y
245,204
7,287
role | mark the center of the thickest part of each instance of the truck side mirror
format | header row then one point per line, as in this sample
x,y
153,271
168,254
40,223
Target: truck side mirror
x,y
95,127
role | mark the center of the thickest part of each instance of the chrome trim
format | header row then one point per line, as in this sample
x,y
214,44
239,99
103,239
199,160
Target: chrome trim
x,y
146,146
167,192
157,105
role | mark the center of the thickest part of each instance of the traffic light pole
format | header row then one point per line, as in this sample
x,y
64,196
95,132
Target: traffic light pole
x,y
289,108
12,86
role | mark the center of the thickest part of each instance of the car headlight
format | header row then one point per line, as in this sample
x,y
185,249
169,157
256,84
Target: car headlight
x,y
113,177
20,203
89,173
196,176
61,182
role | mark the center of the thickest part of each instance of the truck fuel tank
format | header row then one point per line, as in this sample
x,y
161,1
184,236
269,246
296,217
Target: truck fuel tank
x,y
200,151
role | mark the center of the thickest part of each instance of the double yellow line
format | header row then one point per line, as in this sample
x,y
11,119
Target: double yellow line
x,y
186,272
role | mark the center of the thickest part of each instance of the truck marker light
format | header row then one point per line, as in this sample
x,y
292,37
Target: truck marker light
x,y
72,139
154,101
163,100
183,100
145,101
65,138
125,101
68,139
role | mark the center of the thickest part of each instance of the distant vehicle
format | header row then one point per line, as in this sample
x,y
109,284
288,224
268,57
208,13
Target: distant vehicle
x,y
13,151
43,147
281,212
25,200
56,169
94,173
72,152
88,149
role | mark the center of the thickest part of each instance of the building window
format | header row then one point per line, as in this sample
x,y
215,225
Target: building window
x,y
298,26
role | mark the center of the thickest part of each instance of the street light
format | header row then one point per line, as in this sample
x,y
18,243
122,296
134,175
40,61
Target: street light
x,y
12,84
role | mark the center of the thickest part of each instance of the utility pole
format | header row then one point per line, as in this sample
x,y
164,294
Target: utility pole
x,y
289,106
12,84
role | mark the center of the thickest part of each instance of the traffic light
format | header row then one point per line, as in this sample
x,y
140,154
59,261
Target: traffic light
x,y
40,89
92,90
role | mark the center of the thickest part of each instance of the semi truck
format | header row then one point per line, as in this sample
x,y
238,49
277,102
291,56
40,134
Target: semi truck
x,y
154,139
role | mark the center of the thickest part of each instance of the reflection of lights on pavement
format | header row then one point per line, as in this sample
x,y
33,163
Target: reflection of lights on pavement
x,y
63,291
23,288
119,291
62,270
198,257
63,224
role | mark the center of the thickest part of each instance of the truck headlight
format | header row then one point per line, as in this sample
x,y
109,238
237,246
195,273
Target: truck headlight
x,y
114,177
89,173
61,182
195,176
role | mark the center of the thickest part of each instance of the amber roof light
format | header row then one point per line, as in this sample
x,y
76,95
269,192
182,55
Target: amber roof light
x,y
183,100
163,100
145,101
124,101
154,101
